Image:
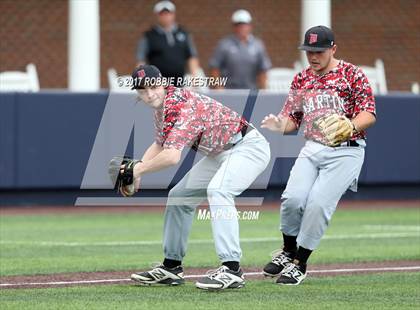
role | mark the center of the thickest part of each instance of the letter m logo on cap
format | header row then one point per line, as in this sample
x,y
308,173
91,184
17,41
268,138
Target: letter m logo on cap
x,y
141,73
313,37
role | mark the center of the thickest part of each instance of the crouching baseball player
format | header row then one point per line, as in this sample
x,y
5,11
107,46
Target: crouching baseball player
x,y
236,153
335,101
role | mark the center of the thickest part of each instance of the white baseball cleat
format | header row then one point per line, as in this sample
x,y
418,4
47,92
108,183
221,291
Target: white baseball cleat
x,y
293,274
221,278
160,275
280,260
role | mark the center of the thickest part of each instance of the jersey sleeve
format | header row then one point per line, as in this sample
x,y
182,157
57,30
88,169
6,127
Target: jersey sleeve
x,y
362,95
293,106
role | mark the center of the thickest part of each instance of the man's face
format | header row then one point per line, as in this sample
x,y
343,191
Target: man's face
x,y
242,30
166,18
319,61
152,96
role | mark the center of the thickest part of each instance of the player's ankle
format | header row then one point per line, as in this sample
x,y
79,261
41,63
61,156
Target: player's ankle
x,y
302,255
302,265
232,265
289,243
171,263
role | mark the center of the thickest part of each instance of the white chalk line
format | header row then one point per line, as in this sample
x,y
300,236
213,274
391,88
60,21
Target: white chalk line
x,y
153,201
58,283
405,228
202,241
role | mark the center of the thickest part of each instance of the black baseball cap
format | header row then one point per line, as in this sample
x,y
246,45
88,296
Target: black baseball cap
x,y
146,75
318,39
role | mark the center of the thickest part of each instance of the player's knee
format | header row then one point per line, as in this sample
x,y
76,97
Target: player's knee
x,y
175,192
179,205
293,201
176,197
215,193
320,208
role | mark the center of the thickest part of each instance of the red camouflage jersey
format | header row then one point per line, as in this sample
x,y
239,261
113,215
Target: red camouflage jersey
x,y
192,119
344,90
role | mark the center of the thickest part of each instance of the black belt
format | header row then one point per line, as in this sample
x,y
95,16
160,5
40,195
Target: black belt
x,y
246,129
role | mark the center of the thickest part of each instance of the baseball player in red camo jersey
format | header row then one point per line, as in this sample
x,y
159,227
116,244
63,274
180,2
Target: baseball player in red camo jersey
x,y
184,118
334,100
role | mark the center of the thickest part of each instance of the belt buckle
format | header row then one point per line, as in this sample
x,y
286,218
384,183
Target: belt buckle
x,y
349,143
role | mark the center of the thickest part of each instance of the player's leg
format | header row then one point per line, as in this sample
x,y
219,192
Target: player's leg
x,y
179,214
301,180
239,168
339,169
293,200
182,201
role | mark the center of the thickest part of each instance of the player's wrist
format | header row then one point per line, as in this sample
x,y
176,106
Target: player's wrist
x,y
355,129
137,169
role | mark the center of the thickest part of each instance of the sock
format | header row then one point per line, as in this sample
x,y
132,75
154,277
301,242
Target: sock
x,y
302,266
302,255
171,263
232,265
289,244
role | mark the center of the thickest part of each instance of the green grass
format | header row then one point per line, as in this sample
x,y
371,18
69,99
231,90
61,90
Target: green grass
x,y
41,244
379,291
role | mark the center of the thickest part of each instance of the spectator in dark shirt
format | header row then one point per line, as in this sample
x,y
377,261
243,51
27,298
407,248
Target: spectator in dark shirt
x,y
167,45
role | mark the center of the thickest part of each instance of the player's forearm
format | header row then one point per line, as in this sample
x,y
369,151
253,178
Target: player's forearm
x,y
262,80
152,151
193,66
165,158
363,120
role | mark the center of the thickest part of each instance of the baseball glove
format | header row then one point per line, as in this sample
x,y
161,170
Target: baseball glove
x,y
122,177
335,128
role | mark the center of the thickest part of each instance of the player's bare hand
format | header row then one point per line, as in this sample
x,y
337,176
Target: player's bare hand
x,y
271,122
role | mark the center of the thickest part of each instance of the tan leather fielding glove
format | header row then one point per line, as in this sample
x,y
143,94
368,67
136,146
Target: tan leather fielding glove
x,y
335,128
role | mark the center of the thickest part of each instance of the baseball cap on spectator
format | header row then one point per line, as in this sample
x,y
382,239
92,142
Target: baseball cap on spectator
x,y
164,5
241,17
146,75
318,39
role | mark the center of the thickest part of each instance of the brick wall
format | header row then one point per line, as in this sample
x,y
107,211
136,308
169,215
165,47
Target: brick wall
x,y
386,29
36,31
